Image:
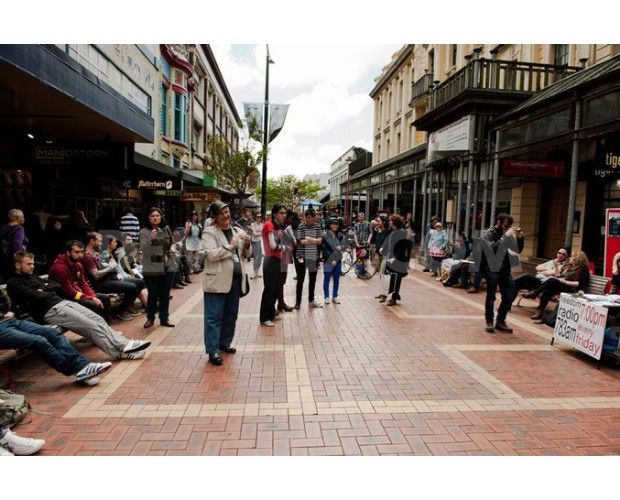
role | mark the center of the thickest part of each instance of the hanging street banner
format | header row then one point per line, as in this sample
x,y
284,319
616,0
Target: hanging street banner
x,y
581,324
277,115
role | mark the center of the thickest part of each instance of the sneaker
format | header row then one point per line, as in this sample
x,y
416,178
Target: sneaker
x,y
136,345
426,270
92,381
5,453
125,316
503,327
473,290
314,303
297,305
132,312
277,318
20,446
92,370
268,323
327,301
336,300
133,355
489,328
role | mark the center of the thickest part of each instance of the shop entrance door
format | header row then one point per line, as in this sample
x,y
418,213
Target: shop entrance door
x,y
555,220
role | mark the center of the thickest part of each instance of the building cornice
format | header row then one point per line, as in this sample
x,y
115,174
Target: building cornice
x,y
398,62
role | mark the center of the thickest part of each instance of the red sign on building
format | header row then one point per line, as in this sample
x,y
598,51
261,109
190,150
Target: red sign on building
x,y
529,168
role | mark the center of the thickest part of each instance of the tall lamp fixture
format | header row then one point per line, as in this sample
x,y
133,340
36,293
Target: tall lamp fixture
x,y
263,198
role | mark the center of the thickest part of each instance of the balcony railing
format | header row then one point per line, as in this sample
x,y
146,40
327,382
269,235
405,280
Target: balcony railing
x,y
422,87
497,75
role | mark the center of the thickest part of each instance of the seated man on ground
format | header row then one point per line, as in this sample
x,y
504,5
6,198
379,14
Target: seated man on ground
x,y
544,271
38,298
105,279
48,343
68,272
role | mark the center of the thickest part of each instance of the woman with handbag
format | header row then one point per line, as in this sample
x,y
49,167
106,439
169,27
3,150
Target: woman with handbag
x,y
158,267
437,245
333,244
226,248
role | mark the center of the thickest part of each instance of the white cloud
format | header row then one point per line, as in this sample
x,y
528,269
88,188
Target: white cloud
x,y
327,87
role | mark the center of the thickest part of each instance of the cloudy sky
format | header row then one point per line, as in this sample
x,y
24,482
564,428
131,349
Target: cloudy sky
x,y
327,88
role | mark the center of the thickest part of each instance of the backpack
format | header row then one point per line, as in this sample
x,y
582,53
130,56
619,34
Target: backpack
x,y
13,408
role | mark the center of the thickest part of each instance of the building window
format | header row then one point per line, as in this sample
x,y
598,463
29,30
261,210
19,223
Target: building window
x,y
561,55
163,118
454,50
431,62
179,118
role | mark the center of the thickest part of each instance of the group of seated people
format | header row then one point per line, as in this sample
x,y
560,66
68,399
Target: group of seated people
x,y
566,273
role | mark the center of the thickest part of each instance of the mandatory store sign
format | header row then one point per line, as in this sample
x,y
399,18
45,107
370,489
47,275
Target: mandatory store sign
x,y
580,324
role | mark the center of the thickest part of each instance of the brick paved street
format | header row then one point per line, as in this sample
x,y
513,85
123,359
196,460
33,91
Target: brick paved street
x,y
356,378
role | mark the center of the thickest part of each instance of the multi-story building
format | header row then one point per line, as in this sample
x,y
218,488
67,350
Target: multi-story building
x,y
339,176
101,127
466,131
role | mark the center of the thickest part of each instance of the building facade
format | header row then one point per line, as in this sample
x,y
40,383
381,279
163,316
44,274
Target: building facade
x,y
466,131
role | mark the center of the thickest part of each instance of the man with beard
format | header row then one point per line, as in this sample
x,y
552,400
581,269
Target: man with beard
x,y
38,298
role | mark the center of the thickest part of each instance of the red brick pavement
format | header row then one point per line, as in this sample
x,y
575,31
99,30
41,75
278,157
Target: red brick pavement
x,y
357,378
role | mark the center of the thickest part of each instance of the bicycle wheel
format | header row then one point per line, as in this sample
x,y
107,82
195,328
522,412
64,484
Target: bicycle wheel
x,y
347,262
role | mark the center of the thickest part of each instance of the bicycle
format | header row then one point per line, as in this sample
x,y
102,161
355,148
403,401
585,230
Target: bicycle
x,y
361,258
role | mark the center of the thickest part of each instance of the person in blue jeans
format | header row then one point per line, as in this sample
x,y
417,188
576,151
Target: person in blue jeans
x,y
333,244
226,247
48,343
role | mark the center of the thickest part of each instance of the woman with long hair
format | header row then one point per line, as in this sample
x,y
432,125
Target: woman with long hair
x,y
158,266
615,275
574,278
193,237
332,245
274,246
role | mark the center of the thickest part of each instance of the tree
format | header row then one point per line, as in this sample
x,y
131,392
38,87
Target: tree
x,y
281,190
236,169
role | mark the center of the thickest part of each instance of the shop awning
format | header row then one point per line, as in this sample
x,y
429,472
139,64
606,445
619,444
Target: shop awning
x,y
45,93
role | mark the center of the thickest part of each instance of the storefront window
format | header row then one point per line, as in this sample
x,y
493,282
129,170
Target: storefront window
x,y
540,128
602,109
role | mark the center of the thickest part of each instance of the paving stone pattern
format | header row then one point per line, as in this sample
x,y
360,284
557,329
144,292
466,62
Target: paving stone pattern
x,y
357,378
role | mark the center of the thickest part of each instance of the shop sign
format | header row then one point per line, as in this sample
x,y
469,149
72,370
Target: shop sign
x,y
581,324
172,192
148,184
92,155
533,168
450,140
607,158
200,197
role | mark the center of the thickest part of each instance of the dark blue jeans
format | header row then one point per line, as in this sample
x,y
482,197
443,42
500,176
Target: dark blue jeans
x,y
220,313
159,296
49,344
504,281
129,287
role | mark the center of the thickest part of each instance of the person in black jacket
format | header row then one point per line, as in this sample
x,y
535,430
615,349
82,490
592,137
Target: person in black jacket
x,y
397,252
38,298
492,257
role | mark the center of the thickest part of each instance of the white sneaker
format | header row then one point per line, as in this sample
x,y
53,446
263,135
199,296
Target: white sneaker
x,y
92,370
5,453
336,300
268,323
20,446
136,345
92,381
133,355
314,303
327,301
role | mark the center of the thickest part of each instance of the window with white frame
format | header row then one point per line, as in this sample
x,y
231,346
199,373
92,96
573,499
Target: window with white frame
x,y
560,57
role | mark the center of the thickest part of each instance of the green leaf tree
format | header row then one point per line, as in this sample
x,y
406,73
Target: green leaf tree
x,y
282,190
236,169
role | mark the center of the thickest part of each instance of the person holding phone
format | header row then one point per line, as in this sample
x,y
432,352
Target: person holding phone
x,y
158,267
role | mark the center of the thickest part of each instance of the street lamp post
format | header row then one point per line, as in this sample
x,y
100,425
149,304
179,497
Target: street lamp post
x,y
263,198
348,204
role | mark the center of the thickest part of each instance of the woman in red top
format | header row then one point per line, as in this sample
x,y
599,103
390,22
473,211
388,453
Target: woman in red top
x,y
273,245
